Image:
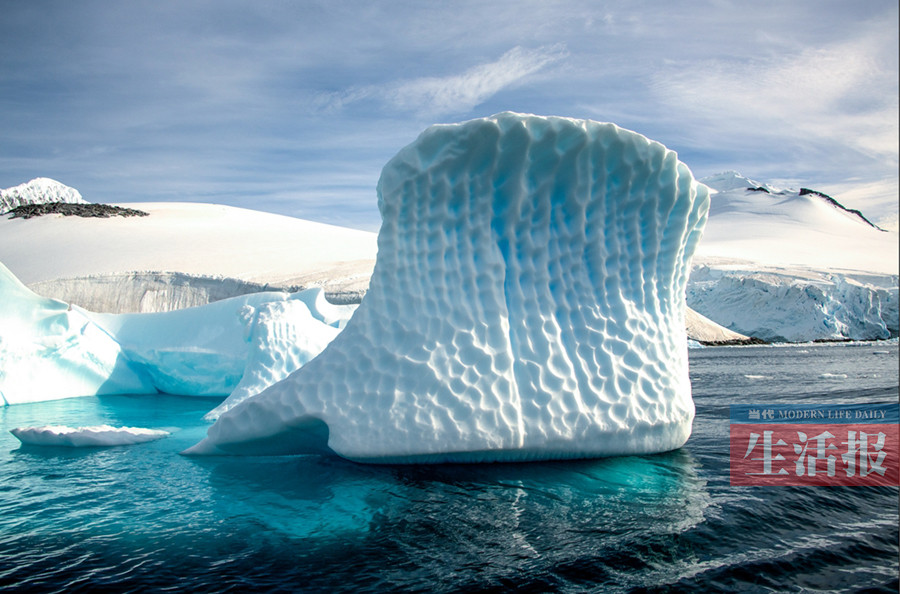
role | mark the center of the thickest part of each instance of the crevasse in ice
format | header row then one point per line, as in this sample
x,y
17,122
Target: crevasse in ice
x,y
527,303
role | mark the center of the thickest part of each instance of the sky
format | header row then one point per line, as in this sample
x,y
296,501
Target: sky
x,y
294,107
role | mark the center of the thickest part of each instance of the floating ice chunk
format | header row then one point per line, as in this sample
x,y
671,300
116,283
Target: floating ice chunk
x,y
50,351
527,303
80,437
832,376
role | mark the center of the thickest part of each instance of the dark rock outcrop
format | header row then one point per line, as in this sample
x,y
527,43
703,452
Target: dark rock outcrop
x,y
27,211
835,203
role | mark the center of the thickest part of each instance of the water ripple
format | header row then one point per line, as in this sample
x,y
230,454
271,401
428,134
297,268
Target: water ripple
x,y
144,519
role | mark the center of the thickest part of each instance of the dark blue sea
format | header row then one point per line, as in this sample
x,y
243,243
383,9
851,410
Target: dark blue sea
x,y
144,519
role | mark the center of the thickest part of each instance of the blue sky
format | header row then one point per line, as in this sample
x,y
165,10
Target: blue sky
x,y
294,107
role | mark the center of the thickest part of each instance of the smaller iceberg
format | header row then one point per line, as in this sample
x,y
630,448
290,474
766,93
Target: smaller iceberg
x,y
205,350
49,350
235,347
85,437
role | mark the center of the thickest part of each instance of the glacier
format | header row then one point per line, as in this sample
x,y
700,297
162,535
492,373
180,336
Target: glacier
x,y
527,303
782,264
785,305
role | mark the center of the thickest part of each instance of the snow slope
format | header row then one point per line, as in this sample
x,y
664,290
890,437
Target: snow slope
x,y
38,191
181,255
778,265
783,229
527,303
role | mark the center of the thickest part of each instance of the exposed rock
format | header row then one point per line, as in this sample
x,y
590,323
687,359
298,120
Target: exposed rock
x,y
835,203
104,211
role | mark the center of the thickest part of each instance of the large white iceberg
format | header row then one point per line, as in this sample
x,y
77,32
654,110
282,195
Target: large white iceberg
x,y
527,303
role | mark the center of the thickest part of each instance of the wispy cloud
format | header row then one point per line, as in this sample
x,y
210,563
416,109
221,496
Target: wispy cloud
x,y
844,94
295,106
457,93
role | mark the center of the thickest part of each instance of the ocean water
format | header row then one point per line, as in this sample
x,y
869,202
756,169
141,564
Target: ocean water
x,y
142,518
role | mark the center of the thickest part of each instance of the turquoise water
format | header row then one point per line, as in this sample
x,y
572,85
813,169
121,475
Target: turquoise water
x,y
143,518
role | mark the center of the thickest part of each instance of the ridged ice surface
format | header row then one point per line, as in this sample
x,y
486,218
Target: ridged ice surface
x,y
283,336
527,303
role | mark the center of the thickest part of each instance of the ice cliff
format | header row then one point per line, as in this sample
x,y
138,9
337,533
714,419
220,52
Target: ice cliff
x,y
527,303
41,190
796,306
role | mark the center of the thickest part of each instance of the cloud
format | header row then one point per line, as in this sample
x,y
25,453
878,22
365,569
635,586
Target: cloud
x,y
457,93
845,94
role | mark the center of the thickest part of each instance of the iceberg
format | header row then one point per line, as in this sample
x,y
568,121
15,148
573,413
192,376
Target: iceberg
x,y
235,347
285,335
83,437
204,351
50,350
527,303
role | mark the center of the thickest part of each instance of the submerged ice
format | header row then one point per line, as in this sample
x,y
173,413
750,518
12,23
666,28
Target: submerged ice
x,y
527,303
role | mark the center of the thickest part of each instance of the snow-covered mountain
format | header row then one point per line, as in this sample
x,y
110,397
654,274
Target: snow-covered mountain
x,y
793,264
38,191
